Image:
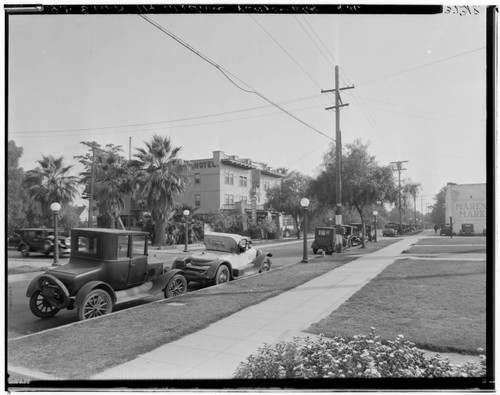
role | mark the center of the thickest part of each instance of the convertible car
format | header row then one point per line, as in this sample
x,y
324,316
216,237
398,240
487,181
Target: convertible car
x,y
226,257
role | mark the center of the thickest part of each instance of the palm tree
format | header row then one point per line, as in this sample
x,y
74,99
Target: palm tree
x,y
111,182
50,182
159,179
412,190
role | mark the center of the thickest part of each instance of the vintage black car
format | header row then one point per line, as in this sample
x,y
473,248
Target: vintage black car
x,y
106,266
467,230
324,239
41,240
445,230
390,229
226,257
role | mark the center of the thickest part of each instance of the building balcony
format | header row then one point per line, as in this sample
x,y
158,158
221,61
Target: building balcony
x,y
245,206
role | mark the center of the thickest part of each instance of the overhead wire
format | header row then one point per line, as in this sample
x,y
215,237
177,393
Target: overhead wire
x,y
227,73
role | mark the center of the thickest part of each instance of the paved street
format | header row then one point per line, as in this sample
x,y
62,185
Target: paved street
x,y
20,320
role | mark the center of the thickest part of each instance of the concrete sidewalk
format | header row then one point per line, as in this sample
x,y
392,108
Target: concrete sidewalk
x,y
216,351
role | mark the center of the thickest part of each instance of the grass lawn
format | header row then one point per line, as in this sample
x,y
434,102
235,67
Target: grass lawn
x,y
438,305
86,348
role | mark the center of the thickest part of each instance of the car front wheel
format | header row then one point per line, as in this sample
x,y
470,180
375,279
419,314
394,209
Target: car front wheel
x,y
97,303
222,276
176,286
40,307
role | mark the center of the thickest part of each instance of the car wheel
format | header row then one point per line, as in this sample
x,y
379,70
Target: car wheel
x,y
97,303
315,250
47,248
25,251
222,276
176,286
40,307
266,266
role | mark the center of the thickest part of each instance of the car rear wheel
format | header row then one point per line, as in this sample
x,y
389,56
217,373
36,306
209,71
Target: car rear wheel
x,y
40,307
97,303
222,276
176,286
25,251
266,266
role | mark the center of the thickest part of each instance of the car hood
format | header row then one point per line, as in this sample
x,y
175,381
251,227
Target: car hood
x,y
205,257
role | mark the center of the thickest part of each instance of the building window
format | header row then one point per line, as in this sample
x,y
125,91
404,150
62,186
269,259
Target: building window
x,y
266,186
243,181
196,178
229,178
244,199
197,200
229,199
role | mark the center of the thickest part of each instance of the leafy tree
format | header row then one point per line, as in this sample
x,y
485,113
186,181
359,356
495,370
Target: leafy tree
x,y
364,182
286,196
17,198
112,180
159,179
51,182
438,214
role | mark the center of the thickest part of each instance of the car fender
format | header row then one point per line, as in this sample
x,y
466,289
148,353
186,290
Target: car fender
x,y
82,293
160,282
212,270
36,285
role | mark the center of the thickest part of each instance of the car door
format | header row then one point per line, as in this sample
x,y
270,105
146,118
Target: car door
x,y
138,262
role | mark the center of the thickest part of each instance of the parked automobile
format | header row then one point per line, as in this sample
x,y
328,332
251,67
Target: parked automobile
x,y
324,239
349,239
358,232
13,240
390,229
106,266
225,257
41,240
467,230
445,230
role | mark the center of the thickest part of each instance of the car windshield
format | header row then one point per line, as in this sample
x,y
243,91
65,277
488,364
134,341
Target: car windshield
x,y
221,243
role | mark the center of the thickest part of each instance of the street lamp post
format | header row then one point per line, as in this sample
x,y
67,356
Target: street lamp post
x,y
186,216
56,207
375,213
304,202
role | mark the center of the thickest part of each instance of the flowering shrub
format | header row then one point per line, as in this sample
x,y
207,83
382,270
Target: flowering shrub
x,y
363,356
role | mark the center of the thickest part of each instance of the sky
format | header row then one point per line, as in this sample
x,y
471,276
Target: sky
x,y
419,88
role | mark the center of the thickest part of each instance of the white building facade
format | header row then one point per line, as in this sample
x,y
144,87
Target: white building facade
x,y
466,204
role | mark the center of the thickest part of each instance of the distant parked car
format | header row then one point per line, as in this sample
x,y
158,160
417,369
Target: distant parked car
x,y
13,240
41,240
390,230
226,257
467,230
446,230
324,239
106,266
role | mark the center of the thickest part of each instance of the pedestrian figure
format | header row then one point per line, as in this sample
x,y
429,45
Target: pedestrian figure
x,y
436,229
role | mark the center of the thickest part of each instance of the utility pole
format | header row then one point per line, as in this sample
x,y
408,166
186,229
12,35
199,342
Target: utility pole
x,y
130,193
399,169
338,146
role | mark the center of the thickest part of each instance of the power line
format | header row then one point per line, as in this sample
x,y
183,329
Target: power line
x,y
169,121
422,66
226,73
285,51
